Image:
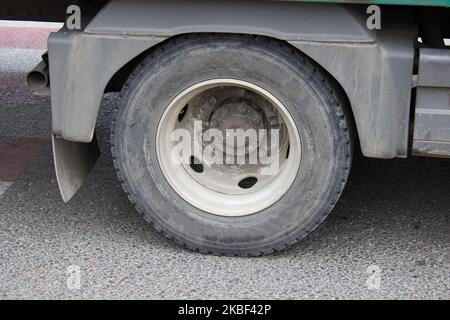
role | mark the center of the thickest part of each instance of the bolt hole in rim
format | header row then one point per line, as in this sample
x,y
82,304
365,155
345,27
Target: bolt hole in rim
x,y
235,188
248,182
182,113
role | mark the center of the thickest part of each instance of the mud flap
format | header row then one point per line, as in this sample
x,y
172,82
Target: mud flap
x,y
73,161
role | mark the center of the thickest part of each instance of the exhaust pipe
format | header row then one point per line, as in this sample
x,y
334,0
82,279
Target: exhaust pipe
x,y
38,79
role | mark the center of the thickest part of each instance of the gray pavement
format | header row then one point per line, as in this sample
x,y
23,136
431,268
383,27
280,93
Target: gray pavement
x,y
393,219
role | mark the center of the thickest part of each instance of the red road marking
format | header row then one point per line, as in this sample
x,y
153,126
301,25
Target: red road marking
x,y
24,38
17,154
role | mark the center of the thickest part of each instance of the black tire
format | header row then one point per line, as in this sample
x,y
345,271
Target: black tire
x,y
308,92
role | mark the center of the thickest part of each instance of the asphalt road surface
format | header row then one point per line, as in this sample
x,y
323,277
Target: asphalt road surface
x,y
387,238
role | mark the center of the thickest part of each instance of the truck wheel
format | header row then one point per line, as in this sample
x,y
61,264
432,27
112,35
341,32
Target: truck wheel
x,y
248,208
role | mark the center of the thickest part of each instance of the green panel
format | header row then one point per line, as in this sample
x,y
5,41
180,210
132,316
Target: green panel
x,y
438,3
442,3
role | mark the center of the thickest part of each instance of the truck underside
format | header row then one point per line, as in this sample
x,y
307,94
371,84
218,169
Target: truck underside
x,y
391,87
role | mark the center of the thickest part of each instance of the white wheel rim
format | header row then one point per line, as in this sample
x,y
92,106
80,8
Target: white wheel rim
x,y
218,189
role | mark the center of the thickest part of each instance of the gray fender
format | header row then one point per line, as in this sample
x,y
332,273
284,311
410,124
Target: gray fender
x,y
374,68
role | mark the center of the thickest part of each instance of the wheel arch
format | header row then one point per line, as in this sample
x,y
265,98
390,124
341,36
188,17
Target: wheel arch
x,y
118,79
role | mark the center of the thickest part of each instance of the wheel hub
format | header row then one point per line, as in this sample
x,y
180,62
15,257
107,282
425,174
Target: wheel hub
x,y
232,107
232,116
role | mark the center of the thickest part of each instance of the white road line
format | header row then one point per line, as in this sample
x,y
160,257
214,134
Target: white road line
x,y
19,60
4,185
30,24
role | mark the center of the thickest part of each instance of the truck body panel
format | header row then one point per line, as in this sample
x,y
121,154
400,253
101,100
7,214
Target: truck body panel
x,y
54,10
432,112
